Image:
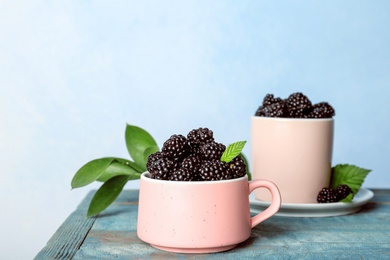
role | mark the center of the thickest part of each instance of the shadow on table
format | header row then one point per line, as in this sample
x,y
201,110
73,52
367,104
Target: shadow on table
x,y
370,206
263,231
113,212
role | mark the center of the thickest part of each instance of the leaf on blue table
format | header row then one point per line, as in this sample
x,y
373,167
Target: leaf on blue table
x,y
106,194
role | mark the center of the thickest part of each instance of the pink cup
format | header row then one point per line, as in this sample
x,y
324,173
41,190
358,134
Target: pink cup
x,y
199,217
295,154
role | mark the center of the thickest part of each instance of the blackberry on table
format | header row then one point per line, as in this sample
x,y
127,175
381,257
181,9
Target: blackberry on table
x,y
214,170
176,147
212,151
327,195
238,167
298,105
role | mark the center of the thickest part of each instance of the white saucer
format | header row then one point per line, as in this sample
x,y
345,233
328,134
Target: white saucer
x,y
315,209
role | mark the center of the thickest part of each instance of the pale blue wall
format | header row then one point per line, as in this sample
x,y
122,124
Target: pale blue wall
x,y
72,74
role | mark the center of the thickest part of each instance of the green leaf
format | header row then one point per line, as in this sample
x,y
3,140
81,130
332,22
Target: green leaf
x,y
119,168
129,163
232,151
137,142
247,166
106,194
350,175
150,150
348,199
90,172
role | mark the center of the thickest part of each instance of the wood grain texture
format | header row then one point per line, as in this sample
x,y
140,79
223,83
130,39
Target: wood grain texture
x,y
363,235
70,235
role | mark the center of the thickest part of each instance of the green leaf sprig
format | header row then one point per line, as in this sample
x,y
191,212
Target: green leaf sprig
x,y
350,175
114,172
232,151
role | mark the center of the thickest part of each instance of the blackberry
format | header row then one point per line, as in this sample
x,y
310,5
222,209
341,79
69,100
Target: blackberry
x,y
277,109
214,170
342,191
161,168
153,158
194,158
176,147
269,99
198,137
238,167
183,174
322,110
327,195
260,111
298,105
212,151
191,162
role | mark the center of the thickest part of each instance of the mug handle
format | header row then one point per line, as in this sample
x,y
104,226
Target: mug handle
x,y
275,204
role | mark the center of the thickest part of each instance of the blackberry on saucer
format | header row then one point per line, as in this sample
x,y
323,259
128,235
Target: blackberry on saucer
x,y
342,191
327,195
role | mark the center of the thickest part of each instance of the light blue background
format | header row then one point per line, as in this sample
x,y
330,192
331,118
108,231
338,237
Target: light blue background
x,y
73,73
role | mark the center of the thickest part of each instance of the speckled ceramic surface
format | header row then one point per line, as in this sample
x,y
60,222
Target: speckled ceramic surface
x,y
295,154
199,217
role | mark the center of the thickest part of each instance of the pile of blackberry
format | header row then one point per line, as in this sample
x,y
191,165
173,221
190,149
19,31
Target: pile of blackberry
x,y
297,105
195,157
329,195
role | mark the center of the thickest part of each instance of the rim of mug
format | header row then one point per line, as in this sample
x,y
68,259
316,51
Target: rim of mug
x,y
146,176
292,119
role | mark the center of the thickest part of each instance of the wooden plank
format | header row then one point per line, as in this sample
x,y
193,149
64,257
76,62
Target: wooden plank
x,y
363,235
70,235
360,235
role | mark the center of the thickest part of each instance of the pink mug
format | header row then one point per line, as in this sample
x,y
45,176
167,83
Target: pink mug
x,y
295,154
200,216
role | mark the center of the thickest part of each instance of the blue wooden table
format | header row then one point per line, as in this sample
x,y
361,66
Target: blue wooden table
x,y
112,235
